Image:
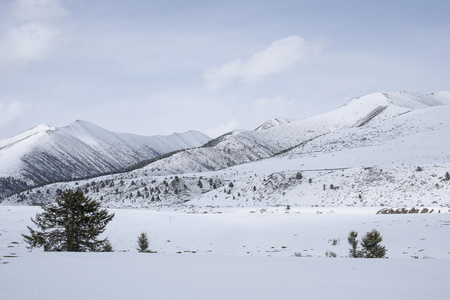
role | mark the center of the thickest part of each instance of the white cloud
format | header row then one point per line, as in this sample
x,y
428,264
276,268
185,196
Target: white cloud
x,y
9,111
29,42
34,35
280,56
38,10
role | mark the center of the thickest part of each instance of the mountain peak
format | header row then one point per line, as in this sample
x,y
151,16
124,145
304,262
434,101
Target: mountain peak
x,y
42,128
272,123
404,99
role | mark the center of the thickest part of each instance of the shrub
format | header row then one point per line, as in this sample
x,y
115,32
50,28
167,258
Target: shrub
x,y
330,254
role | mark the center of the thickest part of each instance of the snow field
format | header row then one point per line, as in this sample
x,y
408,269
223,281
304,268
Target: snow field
x,y
234,254
150,276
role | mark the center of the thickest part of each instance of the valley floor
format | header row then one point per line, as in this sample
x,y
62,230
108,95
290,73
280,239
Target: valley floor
x,y
242,253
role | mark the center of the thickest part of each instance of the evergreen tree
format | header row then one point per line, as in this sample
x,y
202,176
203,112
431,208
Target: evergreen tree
x,y
107,246
72,223
143,243
447,177
371,245
354,252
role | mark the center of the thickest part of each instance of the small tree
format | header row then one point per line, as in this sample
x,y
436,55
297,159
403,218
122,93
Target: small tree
x,y
371,245
143,243
107,246
72,223
354,252
447,177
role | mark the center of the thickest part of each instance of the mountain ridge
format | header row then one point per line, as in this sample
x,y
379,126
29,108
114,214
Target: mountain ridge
x,y
45,154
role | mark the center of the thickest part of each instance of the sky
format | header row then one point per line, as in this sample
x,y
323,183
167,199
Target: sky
x,y
158,67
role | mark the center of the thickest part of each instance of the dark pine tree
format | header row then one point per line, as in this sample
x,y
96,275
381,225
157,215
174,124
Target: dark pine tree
x,y
371,245
72,223
354,252
143,243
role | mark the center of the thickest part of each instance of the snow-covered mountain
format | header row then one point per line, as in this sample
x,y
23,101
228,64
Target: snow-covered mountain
x,y
382,149
272,123
245,146
47,154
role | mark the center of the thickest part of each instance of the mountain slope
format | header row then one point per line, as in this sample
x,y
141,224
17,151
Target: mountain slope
x,y
365,153
245,146
45,154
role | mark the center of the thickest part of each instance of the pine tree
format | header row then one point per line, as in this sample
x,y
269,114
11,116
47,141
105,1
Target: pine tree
x,y
371,245
107,246
354,252
72,223
447,177
143,243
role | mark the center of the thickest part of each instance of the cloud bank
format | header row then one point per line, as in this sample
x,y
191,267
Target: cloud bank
x,y
280,56
11,110
33,35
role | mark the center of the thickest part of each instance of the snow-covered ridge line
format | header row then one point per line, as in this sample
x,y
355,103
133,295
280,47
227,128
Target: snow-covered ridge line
x,y
46,154
8,142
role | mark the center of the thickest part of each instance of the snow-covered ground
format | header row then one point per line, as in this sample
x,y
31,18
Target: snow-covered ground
x,y
237,253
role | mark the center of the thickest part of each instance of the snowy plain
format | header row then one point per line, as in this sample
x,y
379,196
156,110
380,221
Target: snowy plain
x,y
235,254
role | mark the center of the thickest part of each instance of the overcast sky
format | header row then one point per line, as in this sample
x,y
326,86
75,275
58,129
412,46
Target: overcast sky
x,y
157,67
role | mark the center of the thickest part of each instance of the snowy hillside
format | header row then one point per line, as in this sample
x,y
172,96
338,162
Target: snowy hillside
x,y
245,146
381,150
45,154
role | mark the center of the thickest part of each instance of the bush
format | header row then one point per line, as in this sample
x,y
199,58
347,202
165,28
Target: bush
x,y
330,254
